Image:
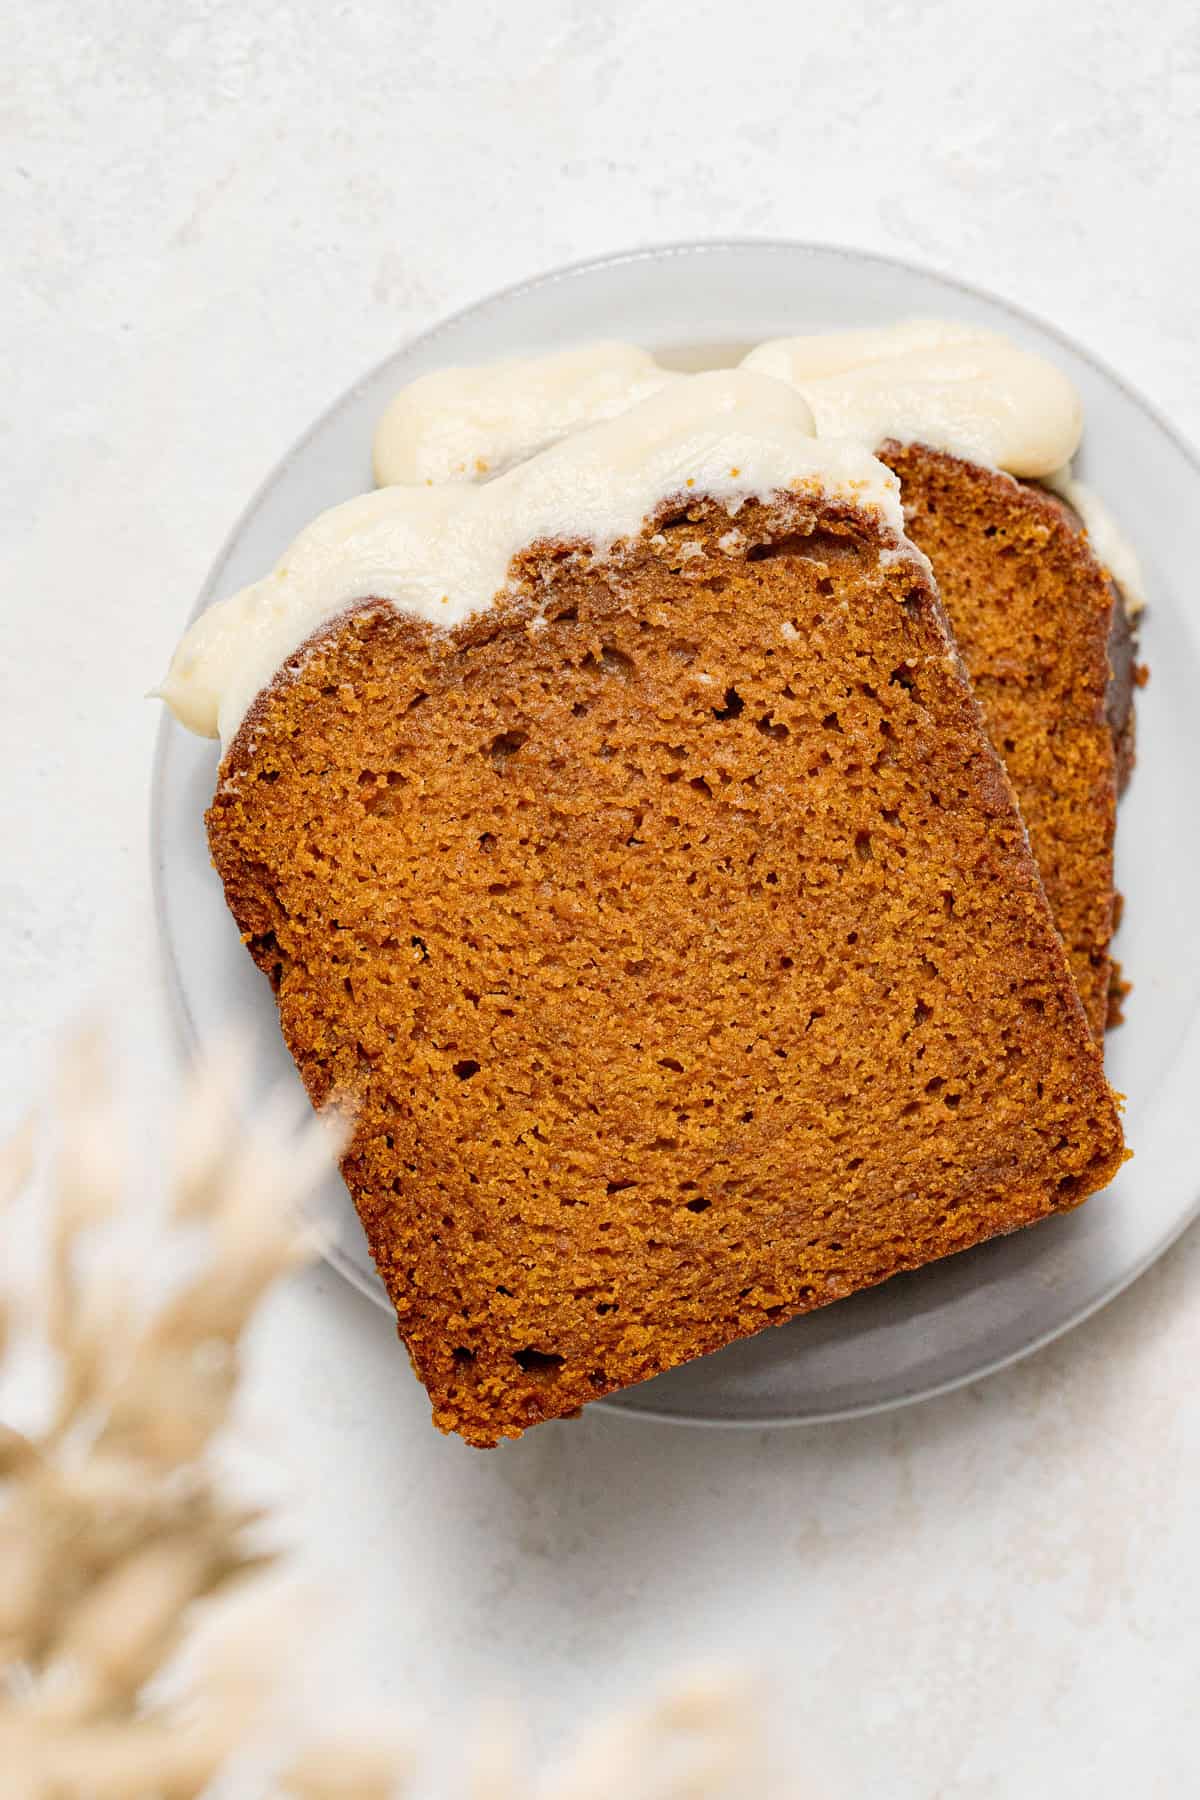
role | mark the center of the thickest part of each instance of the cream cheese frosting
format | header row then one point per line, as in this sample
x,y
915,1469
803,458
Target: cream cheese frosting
x,y
442,553
469,424
927,381
952,386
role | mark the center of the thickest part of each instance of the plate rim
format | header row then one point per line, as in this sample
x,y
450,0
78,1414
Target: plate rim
x,y
626,1403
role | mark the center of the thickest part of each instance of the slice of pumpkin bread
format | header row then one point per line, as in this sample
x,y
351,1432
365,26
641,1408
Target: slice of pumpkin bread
x,y
669,917
1042,630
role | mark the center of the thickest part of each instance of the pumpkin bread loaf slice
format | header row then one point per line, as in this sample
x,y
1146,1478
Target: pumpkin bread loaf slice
x,y
671,923
1045,638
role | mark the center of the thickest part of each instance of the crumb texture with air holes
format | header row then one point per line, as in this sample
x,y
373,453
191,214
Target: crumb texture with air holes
x,y
674,929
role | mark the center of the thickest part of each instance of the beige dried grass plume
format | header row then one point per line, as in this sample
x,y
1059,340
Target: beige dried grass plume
x,y
114,1525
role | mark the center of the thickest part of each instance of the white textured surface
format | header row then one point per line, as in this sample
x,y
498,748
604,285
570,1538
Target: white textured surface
x,y
216,216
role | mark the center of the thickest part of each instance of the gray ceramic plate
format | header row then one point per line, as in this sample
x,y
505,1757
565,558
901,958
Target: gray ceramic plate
x,y
920,1333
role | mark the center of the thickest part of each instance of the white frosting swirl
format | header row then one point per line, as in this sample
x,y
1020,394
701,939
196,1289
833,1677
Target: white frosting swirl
x,y
443,553
954,387
925,381
472,424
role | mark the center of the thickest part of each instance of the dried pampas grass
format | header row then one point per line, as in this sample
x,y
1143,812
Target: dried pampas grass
x,y
115,1528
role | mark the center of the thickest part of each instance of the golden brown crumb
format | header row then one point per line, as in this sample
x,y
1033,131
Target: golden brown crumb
x,y
1031,611
675,928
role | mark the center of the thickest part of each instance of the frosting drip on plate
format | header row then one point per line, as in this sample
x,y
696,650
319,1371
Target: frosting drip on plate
x,y
1112,548
443,553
